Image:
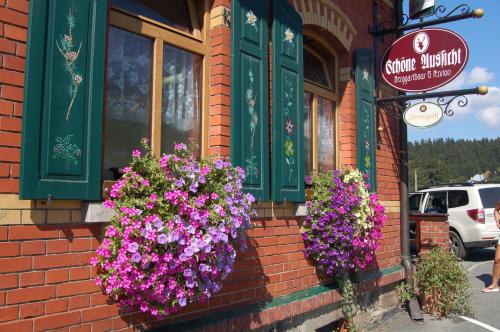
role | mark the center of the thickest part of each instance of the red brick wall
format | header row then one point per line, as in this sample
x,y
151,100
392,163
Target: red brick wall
x,y
13,30
45,279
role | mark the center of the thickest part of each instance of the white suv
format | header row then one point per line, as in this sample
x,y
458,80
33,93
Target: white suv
x,y
470,210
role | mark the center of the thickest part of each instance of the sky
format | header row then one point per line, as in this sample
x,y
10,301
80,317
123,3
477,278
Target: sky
x,y
481,117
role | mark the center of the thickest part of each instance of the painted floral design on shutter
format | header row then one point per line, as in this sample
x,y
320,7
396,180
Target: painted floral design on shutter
x,y
63,148
251,162
288,144
366,77
289,39
366,132
70,53
251,19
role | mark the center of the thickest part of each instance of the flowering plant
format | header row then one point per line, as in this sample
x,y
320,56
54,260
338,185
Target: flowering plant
x,y
342,229
177,227
344,222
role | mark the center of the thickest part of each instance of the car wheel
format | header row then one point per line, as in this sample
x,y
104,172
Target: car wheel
x,y
457,246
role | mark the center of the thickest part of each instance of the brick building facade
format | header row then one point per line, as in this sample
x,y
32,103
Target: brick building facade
x,y
46,281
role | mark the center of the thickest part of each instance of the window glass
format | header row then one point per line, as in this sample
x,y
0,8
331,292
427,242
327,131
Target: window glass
x,y
308,148
174,13
181,101
489,197
314,70
457,198
128,112
436,202
414,202
326,134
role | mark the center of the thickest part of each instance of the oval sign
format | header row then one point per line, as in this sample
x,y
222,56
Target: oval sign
x,y
424,60
423,115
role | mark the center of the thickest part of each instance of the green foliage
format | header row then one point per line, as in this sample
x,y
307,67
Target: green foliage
x,y
347,300
405,292
443,161
443,282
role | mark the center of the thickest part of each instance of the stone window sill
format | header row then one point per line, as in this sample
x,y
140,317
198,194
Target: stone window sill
x,y
94,212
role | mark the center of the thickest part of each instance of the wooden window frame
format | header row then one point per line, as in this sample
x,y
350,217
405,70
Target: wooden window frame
x,y
197,42
318,90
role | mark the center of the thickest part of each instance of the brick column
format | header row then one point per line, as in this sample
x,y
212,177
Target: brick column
x,y
219,132
433,230
13,31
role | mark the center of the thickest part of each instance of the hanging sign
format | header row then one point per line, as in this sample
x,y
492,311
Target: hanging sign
x,y
421,8
423,115
424,60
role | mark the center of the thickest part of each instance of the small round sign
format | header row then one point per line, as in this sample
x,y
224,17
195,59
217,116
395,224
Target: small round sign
x,y
424,60
423,115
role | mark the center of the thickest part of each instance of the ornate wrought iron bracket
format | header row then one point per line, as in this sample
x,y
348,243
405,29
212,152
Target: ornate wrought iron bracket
x,y
456,98
464,11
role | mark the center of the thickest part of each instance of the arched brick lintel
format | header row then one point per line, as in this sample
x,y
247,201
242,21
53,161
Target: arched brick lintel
x,y
328,16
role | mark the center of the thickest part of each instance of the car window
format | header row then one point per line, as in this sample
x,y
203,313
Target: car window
x,y
457,198
436,202
489,197
414,202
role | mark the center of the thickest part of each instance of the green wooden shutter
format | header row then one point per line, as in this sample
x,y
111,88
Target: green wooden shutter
x,y
365,120
249,94
287,104
63,100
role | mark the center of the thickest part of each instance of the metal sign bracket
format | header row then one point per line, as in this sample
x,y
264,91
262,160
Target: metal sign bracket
x,y
404,23
446,99
464,11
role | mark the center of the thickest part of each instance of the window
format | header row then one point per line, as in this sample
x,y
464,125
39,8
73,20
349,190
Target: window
x,y
414,202
320,100
174,13
489,197
155,73
436,203
457,198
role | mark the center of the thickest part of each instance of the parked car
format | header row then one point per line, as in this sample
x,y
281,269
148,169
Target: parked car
x,y
470,209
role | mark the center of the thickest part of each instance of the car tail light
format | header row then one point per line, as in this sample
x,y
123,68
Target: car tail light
x,y
477,215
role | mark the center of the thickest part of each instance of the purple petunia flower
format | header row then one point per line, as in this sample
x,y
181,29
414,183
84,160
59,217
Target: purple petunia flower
x,y
162,238
193,187
219,164
182,301
133,247
180,146
188,251
136,258
191,283
188,273
158,223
